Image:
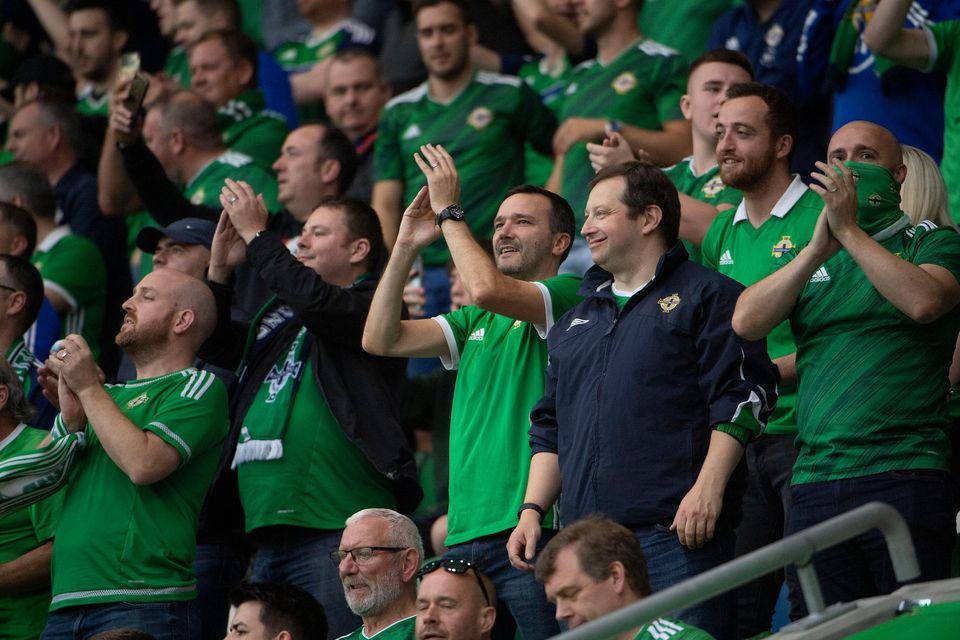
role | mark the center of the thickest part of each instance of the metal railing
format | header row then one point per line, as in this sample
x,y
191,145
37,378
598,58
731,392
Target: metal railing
x,y
796,549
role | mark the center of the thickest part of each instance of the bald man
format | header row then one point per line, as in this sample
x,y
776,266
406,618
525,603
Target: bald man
x,y
872,303
126,539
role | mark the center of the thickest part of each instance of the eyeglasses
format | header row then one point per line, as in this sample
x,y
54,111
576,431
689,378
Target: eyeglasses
x,y
361,555
3,286
454,565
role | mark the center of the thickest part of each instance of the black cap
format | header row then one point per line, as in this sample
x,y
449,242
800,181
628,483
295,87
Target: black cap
x,y
50,73
187,231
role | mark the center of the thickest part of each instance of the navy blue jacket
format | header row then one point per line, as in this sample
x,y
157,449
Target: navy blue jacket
x,y
632,396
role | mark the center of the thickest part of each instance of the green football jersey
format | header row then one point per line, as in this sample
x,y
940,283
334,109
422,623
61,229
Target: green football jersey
x,y
177,66
549,83
23,617
641,87
72,266
705,187
22,360
91,103
946,57
503,359
684,25
252,129
860,409
322,478
294,57
735,248
484,128
400,630
205,187
670,629
122,542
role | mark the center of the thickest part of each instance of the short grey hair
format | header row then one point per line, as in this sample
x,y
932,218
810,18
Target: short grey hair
x,y
17,403
401,529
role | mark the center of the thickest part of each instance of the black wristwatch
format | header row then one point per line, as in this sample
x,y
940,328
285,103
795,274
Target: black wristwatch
x,y
453,212
534,506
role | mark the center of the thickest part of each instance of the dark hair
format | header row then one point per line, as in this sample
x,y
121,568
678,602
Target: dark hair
x,y
599,543
123,634
26,278
335,145
116,15
782,115
22,224
239,47
229,8
646,185
29,182
17,404
725,56
362,222
284,607
561,214
462,5
191,113
63,114
356,53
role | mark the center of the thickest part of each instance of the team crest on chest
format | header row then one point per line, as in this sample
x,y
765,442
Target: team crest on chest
x,y
624,82
480,118
517,324
782,247
669,303
713,187
139,400
197,197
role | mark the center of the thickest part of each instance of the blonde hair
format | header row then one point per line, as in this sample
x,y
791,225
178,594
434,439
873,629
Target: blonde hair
x,y
923,195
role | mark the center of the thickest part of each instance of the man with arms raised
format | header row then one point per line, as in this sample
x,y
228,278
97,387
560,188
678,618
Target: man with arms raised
x,y
499,349
872,303
654,321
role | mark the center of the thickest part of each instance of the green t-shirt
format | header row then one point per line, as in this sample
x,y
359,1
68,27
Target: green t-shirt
x,y
205,187
484,128
177,66
501,365
706,187
252,129
735,248
72,266
322,478
670,629
400,630
23,617
944,38
684,25
90,103
549,84
120,542
641,87
22,360
860,409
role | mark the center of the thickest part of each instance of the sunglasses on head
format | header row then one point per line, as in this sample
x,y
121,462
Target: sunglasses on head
x,y
454,565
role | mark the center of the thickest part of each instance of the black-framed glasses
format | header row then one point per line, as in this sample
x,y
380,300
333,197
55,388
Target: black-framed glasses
x,y
455,565
361,555
3,286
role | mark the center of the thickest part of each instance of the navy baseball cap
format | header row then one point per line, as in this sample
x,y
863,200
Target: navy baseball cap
x,y
186,231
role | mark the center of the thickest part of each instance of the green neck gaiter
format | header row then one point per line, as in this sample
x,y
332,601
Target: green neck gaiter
x,y
878,197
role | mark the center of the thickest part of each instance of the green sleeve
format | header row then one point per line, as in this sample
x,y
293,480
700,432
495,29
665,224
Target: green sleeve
x,y
729,195
563,293
710,247
946,34
263,141
939,246
387,155
460,322
194,415
671,84
77,269
743,435
45,515
533,121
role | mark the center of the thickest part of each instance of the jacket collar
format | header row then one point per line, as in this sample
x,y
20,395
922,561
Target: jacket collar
x,y
597,281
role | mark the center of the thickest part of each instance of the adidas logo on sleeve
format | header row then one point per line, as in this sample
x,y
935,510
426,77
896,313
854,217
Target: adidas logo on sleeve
x,y
821,275
477,335
726,258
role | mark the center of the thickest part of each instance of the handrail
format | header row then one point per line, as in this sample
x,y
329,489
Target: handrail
x,y
797,548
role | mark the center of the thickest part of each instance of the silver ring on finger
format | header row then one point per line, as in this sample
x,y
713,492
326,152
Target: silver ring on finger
x,y
435,165
834,190
63,354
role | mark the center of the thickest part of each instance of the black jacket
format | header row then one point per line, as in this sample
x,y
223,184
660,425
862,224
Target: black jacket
x,y
632,396
361,390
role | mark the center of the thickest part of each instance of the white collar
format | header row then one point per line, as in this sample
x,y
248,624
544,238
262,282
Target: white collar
x,y
55,236
789,198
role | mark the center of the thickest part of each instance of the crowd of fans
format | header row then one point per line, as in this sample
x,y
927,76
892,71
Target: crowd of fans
x,y
579,298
